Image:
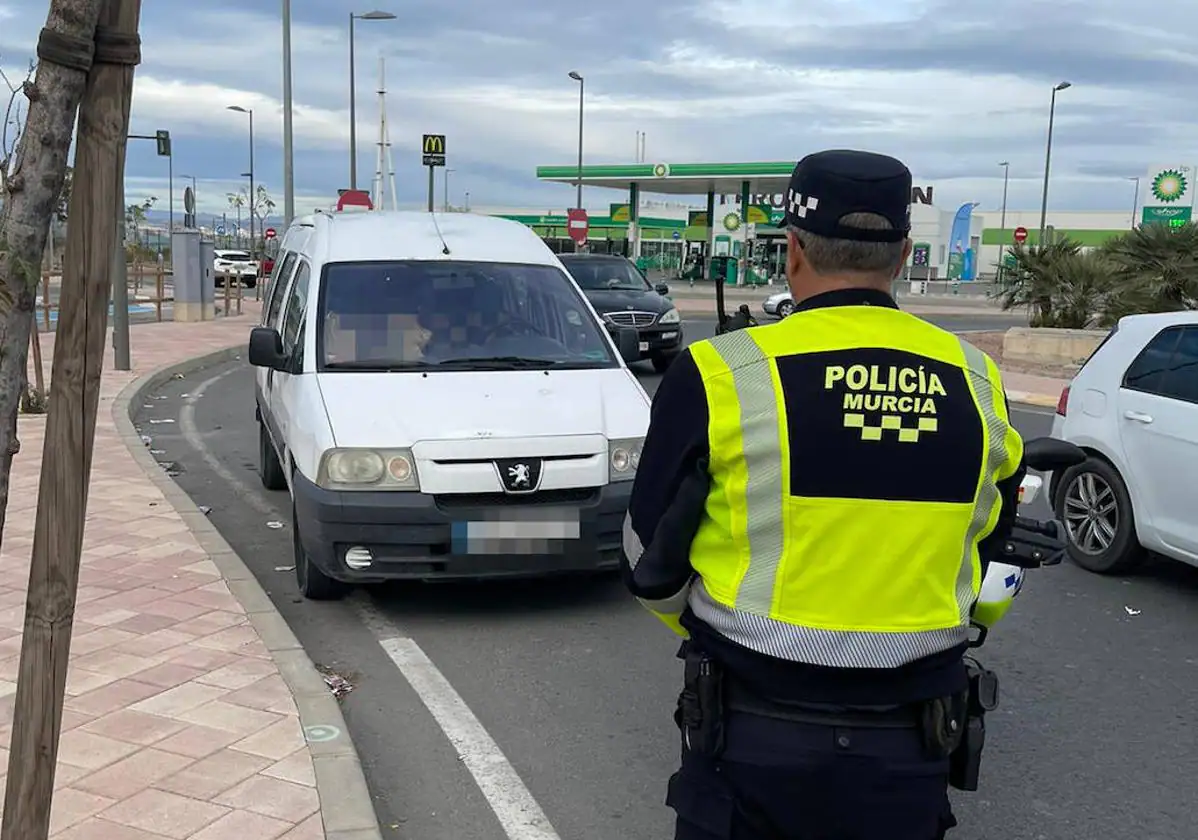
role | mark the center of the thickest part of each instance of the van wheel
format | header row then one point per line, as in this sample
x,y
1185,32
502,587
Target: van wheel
x,y
1093,503
313,584
269,468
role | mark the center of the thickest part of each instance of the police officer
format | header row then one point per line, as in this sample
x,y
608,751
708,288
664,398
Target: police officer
x,y
815,504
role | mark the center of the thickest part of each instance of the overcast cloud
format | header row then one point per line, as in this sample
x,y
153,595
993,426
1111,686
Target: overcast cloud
x,y
950,87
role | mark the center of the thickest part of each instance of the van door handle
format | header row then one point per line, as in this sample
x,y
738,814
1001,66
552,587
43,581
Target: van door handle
x,y
1138,416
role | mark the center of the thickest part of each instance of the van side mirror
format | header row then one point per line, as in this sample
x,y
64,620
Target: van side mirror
x,y
662,289
266,348
628,341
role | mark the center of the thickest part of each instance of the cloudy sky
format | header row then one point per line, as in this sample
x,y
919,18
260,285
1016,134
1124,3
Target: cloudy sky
x,y
952,88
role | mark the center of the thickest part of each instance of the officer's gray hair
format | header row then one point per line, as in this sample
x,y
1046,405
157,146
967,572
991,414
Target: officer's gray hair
x,y
845,256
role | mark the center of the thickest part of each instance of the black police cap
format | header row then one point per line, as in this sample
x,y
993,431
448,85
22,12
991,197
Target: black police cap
x,y
827,186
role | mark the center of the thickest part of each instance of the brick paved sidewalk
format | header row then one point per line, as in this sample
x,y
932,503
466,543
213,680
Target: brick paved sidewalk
x,y
177,722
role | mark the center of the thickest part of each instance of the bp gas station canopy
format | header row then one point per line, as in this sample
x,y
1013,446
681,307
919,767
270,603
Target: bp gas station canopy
x,y
760,185
769,178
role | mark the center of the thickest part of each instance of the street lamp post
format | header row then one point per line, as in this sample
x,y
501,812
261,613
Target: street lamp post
x,y
288,136
1135,201
353,94
1002,225
445,203
250,174
1048,158
576,76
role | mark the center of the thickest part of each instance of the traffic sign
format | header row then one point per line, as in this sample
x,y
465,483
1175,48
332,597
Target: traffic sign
x,y
1021,234
354,200
163,139
578,225
270,233
220,230
433,149
676,235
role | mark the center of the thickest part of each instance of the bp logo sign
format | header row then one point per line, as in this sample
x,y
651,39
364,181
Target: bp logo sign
x,y
1169,185
661,170
732,222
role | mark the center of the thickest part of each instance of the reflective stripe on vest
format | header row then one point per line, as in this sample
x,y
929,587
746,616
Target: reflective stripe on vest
x,y
764,512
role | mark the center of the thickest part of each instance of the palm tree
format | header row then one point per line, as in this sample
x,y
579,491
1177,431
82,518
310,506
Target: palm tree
x,y
1157,267
1061,284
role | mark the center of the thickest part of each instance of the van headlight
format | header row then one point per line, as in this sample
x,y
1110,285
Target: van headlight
x,y
368,469
623,458
671,317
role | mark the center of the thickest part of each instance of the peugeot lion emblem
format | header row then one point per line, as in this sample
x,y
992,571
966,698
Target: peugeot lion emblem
x,y
519,475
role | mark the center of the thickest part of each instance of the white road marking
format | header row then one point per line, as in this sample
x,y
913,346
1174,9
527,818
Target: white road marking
x,y
511,802
191,434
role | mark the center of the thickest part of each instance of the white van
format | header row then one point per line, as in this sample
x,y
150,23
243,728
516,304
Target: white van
x,y
442,402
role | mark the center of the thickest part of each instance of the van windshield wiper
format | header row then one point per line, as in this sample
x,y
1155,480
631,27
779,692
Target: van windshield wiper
x,y
377,365
501,361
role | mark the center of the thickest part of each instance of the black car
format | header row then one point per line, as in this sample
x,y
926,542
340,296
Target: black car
x,y
622,295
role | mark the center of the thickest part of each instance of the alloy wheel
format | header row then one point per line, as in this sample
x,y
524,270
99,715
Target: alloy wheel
x,y
1091,513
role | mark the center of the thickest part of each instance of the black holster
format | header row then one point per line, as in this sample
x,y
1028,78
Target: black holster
x,y
700,713
982,696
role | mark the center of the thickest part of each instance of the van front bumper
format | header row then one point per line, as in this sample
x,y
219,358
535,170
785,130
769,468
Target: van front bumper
x,y
418,536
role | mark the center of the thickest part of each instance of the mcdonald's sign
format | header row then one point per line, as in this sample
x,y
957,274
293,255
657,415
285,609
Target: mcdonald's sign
x,y
433,149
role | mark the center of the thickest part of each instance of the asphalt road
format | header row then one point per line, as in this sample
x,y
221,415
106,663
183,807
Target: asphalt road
x,y
557,696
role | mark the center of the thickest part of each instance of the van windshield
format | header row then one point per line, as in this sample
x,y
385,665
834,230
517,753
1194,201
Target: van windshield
x,y
420,315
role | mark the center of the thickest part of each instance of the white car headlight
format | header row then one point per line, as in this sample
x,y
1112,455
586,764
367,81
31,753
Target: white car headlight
x,y
624,456
368,469
671,317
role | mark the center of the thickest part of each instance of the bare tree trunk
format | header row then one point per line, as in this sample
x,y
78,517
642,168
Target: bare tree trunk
x,y
34,186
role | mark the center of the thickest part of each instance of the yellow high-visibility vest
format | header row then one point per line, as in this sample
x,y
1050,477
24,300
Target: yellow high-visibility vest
x,y
855,456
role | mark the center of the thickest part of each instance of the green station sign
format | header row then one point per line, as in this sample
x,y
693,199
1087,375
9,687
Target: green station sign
x,y
1171,216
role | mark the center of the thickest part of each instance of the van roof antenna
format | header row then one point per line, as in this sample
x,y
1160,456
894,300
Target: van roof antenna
x,y
441,236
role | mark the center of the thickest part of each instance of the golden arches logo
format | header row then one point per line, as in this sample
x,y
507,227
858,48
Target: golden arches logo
x,y
434,144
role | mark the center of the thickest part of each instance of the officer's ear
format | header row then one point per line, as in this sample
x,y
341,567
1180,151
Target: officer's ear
x,y
796,260
907,245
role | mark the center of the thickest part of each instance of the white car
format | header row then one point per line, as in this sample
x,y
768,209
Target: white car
x,y
779,304
237,264
442,402
1133,407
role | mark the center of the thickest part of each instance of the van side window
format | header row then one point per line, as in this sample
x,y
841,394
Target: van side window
x,y
271,281
278,289
297,306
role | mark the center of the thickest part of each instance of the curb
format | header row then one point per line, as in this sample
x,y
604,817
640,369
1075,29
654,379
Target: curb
x,y
1028,398
345,804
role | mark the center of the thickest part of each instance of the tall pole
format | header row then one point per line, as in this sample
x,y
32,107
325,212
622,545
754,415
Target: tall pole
x,y
445,203
1135,201
288,150
1002,225
170,188
353,95
1006,176
353,111
576,76
253,197
578,194
1052,108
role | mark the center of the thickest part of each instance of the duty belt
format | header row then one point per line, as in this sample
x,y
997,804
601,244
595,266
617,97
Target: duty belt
x,y
739,698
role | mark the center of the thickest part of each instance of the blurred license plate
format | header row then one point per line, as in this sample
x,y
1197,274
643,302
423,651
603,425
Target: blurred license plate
x,y
669,335
542,532
644,346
